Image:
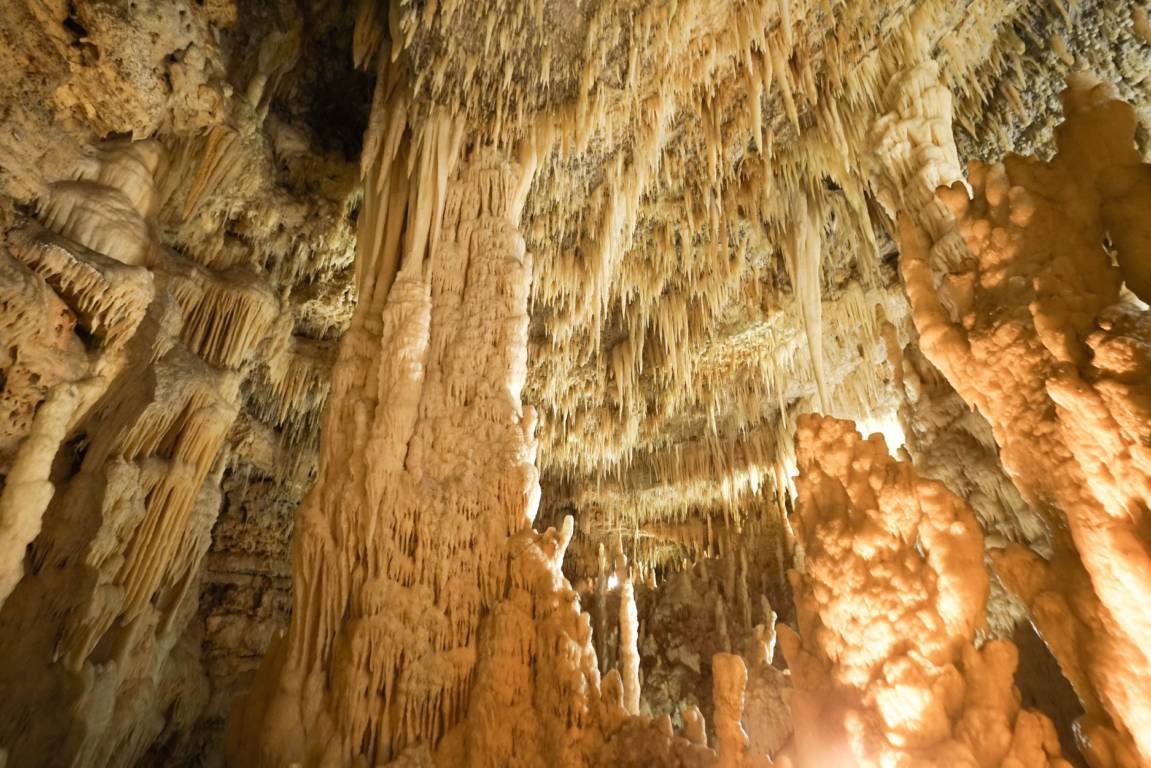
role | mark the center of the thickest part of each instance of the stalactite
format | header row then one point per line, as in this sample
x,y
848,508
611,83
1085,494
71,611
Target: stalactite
x,y
103,294
912,147
804,259
723,636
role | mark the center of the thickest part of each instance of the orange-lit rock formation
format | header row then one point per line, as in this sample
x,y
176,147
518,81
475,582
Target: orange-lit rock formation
x,y
1019,305
426,467
890,596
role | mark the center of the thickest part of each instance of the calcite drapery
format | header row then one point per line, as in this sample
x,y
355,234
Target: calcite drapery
x,y
891,594
1017,302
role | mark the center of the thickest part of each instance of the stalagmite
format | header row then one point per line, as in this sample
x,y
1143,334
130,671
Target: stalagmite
x,y
730,681
770,636
629,646
694,729
885,664
599,608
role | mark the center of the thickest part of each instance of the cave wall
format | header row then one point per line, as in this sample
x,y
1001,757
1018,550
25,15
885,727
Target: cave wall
x,y
173,252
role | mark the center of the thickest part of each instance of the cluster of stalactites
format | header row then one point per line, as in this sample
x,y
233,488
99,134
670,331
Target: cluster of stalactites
x,y
298,384
225,314
724,463
676,252
155,397
891,593
1019,305
162,434
687,135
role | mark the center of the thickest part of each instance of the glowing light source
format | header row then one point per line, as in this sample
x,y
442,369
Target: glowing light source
x,y
886,424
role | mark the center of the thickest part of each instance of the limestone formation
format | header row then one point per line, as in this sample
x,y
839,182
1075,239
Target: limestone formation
x,y
1019,303
891,594
418,383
